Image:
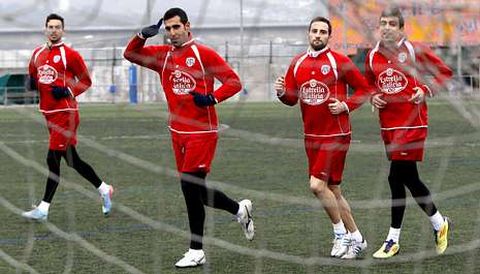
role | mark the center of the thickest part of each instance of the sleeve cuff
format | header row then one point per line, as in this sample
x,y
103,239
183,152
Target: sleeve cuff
x,y
71,92
430,93
141,36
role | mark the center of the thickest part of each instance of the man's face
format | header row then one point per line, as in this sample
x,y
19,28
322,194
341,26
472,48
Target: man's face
x,y
390,31
318,35
176,31
54,31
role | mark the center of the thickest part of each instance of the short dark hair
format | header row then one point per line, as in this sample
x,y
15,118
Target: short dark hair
x,y
394,11
321,19
54,16
176,12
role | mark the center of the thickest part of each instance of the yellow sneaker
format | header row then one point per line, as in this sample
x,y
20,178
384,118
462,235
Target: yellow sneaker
x,y
441,237
389,249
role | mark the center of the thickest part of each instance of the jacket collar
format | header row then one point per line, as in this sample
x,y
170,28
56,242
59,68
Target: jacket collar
x,y
398,44
59,44
186,44
315,53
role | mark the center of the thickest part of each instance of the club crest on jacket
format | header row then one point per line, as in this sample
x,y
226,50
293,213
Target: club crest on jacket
x,y
402,57
325,69
56,58
190,61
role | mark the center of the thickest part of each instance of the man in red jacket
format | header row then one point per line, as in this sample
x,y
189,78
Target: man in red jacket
x,y
187,72
397,67
59,74
318,79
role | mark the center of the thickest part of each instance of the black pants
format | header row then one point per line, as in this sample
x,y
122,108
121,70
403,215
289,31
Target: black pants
x,y
73,160
197,194
405,173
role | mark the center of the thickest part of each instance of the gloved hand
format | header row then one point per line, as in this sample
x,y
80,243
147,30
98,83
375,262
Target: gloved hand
x,y
203,100
32,84
60,92
152,30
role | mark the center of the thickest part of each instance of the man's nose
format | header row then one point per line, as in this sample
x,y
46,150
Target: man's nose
x,y
387,26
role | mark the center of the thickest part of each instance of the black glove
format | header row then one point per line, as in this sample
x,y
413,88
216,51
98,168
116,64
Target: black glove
x,y
203,100
152,30
60,92
31,83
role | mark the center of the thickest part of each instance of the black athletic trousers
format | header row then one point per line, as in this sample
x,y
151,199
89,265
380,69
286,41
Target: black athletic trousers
x,y
73,160
405,173
197,194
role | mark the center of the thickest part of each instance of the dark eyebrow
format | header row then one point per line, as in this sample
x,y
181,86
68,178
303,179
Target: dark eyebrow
x,y
176,26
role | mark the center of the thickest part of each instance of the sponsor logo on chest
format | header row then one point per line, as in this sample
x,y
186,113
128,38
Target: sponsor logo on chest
x,y
182,82
392,81
47,74
314,92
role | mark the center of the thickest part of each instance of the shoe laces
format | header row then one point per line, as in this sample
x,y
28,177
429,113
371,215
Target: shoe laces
x,y
355,247
338,240
346,241
389,245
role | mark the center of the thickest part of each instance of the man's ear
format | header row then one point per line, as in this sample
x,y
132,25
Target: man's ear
x,y
187,26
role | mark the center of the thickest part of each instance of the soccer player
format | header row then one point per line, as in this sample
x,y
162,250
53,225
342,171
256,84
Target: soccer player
x,y
59,74
318,78
187,72
397,67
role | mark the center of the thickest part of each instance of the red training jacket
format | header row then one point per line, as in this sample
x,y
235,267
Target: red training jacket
x,y
191,67
395,72
314,78
58,65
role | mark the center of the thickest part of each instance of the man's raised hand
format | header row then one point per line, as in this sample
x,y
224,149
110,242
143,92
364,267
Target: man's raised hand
x,y
152,30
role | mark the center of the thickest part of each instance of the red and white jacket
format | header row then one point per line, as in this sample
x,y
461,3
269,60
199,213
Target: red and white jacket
x,y
191,67
395,72
58,65
314,78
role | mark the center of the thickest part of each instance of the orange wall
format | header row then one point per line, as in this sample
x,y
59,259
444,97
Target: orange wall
x,y
435,22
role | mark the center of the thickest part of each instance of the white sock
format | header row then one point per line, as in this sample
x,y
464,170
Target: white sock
x,y
239,212
394,234
436,220
357,236
103,188
196,251
339,228
43,206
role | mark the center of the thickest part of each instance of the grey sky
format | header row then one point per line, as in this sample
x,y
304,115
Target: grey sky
x,y
30,14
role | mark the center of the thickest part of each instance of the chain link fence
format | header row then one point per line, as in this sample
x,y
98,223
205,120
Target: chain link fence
x,y
258,66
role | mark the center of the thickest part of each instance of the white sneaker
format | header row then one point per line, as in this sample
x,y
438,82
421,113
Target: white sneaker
x,y
192,258
35,214
245,218
341,242
355,249
107,201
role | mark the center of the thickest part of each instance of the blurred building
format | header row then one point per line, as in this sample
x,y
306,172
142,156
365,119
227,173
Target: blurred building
x,y
258,38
